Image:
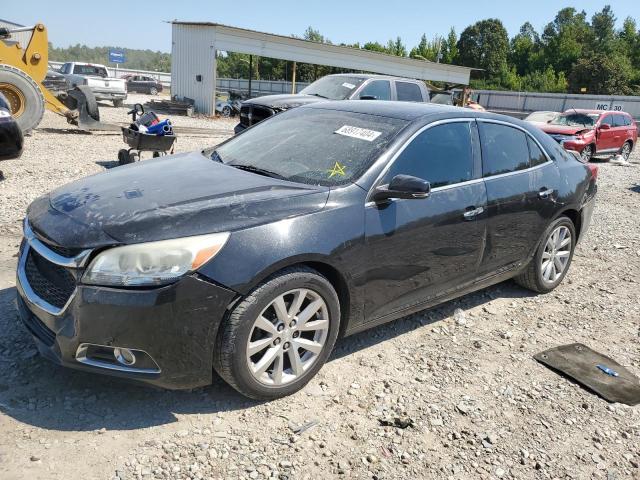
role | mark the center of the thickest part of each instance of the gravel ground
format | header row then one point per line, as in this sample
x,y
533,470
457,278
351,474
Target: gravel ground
x,y
452,392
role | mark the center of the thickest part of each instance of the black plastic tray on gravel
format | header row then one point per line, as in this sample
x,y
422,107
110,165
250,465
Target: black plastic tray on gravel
x,y
142,142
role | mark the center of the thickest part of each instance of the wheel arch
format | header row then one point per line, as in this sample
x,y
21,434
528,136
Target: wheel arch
x,y
575,217
322,265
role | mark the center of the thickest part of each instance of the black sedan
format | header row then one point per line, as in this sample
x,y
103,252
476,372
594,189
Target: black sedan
x,y
253,257
143,84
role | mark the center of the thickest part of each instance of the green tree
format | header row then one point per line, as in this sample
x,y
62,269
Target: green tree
x,y
601,74
565,39
603,25
450,47
485,45
396,47
523,49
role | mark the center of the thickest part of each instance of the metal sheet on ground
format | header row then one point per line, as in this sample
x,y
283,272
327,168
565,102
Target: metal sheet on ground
x,y
587,366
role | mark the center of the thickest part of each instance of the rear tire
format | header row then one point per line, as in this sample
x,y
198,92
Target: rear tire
x,y
24,95
256,320
153,91
533,277
118,103
625,151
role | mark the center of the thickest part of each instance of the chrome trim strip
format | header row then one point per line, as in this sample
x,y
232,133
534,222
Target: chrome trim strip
x,y
81,357
517,172
74,262
26,292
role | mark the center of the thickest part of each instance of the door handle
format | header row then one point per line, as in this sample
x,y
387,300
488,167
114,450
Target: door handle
x,y
545,192
471,214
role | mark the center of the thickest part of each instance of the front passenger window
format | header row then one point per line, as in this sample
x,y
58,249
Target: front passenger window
x,y
504,149
378,89
442,155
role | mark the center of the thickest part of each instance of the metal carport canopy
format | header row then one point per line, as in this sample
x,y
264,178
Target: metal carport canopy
x,y
240,40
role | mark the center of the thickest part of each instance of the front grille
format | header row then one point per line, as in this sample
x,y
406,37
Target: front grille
x,y
252,114
52,283
260,113
35,325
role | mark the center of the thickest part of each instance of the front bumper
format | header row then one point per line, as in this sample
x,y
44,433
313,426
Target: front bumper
x,y
175,325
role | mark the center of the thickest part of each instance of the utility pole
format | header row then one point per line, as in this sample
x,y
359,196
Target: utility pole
x,y
293,78
250,72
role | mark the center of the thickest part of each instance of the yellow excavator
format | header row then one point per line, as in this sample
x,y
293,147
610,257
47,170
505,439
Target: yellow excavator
x,y
22,71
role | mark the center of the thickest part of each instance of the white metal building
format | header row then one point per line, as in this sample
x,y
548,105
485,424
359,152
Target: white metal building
x,y
194,46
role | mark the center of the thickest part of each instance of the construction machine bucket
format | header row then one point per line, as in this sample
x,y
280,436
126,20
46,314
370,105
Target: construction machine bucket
x,y
84,110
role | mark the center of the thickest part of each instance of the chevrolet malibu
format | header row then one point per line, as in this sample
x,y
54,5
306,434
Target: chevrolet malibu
x,y
253,257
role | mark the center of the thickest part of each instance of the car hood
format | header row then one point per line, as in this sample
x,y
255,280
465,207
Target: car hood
x,y
563,129
285,102
176,196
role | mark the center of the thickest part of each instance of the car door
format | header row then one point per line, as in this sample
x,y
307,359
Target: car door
x,y
605,140
418,249
620,130
522,187
408,92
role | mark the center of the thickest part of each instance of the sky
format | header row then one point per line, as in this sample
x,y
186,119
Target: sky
x,y
141,23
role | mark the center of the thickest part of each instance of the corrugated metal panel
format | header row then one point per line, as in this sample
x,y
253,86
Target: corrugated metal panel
x,y
526,102
193,65
22,37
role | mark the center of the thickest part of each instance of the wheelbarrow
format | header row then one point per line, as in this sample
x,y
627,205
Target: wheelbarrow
x,y
142,142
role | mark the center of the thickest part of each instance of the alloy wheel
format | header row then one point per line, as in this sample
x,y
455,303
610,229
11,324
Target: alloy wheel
x,y
557,252
287,337
626,151
586,153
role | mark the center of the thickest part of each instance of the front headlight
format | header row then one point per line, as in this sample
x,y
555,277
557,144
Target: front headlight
x,y
153,263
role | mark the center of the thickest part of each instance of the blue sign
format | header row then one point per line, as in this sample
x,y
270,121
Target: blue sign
x,y
117,56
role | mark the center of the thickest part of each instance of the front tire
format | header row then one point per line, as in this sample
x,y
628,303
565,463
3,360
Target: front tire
x,y
153,91
278,337
552,259
587,153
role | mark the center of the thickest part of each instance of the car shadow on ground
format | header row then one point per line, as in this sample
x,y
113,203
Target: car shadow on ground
x,y
36,392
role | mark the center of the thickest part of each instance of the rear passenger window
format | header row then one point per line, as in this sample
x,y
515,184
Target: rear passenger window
x,y
441,154
535,154
408,92
619,121
504,149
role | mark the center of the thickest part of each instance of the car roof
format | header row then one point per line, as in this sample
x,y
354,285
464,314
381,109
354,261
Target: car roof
x,y
371,75
409,111
585,110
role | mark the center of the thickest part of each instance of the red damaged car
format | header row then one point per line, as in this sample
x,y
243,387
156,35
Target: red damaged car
x,y
594,132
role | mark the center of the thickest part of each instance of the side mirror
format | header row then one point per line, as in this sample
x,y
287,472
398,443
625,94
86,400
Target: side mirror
x,y
403,186
368,97
605,126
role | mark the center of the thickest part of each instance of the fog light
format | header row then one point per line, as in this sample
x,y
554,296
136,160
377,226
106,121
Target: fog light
x,y
124,356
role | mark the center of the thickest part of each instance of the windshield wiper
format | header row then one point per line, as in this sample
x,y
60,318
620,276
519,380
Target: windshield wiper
x,y
258,170
318,95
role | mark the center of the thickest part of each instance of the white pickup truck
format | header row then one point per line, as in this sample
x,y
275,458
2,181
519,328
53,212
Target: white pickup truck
x,y
96,77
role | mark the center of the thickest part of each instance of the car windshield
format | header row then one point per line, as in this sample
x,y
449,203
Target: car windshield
x,y
576,119
311,145
333,88
541,116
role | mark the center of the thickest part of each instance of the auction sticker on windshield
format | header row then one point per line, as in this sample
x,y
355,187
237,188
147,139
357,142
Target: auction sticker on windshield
x,y
357,132
348,85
